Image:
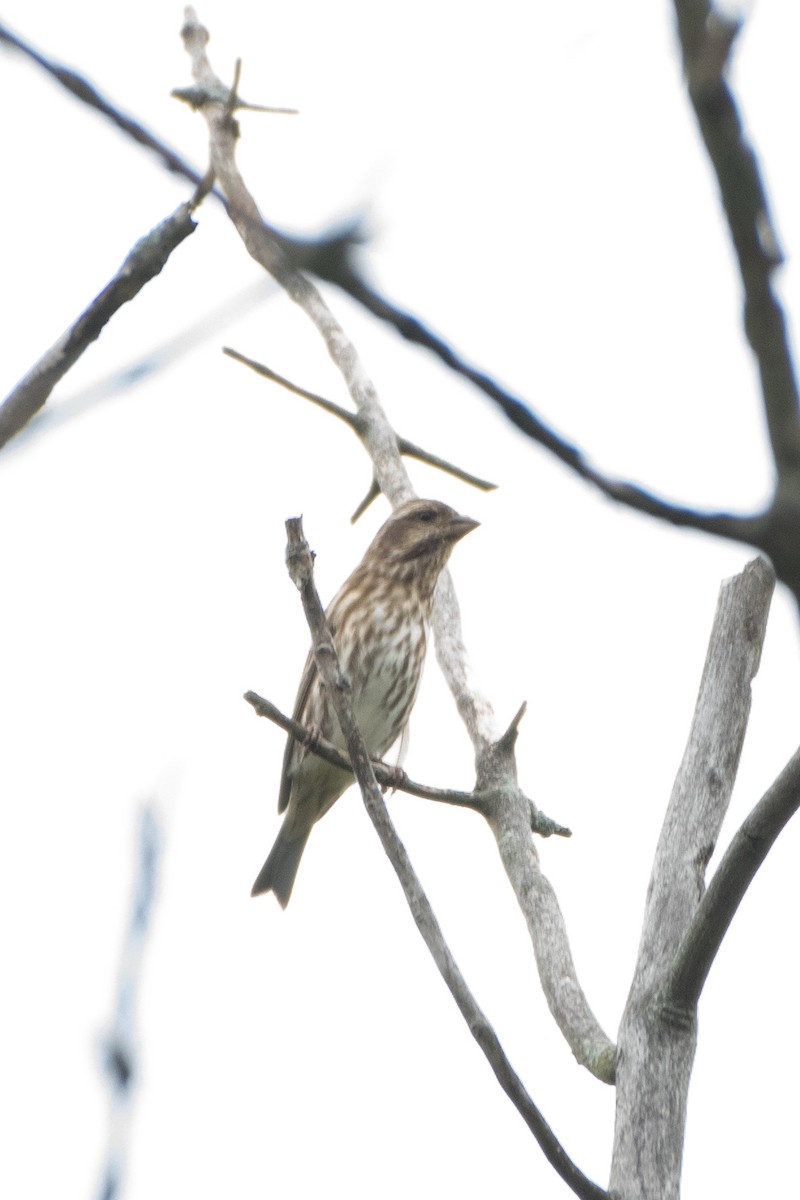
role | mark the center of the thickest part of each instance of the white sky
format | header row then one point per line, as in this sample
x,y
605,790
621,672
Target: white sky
x,y
536,192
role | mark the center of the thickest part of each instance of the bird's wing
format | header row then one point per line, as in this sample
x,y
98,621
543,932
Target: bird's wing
x,y
295,751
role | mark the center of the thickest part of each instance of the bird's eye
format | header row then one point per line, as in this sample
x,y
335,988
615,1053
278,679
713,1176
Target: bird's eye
x,y
426,515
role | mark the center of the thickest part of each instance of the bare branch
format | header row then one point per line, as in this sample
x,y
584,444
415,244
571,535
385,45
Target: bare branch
x,y
388,776
373,491
197,97
705,780
538,903
266,249
353,420
740,862
84,91
300,566
331,258
120,1046
497,779
750,530
656,1040
706,41
322,256
147,365
144,262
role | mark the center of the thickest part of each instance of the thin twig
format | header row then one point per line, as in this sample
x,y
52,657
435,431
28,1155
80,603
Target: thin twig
x,y
120,1050
352,419
522,416
300,564
388,776
321,256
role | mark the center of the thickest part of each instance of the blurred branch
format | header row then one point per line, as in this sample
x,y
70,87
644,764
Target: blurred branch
x,y
707,38
354,421
148,364
82,90
657,1039
120,1045
322,256
300,564
706,41
387,777
494,753
726,525
145,261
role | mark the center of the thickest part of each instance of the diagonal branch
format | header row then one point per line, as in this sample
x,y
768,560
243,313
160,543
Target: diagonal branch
x,y
352,419
300,564
566,1000
656,1039
145,261
740,862
260,242
322,256
388,776
706,41
83,90
706,44
751,530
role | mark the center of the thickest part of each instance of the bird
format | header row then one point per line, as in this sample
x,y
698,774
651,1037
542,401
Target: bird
x,y
378,620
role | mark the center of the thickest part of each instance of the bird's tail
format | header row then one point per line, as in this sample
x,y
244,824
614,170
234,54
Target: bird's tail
x,y
278,872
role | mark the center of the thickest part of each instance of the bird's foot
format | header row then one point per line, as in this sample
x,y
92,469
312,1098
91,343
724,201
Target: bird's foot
x,y
397,777
313,736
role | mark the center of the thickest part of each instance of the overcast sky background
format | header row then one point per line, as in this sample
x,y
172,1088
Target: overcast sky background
x,y
535,190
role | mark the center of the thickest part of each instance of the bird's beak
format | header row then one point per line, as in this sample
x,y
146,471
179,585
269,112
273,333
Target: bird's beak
x,y
460,527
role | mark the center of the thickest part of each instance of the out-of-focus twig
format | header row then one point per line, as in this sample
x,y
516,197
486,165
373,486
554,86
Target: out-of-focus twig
x,y
83,90
320,255
120,1048
707,39
148,364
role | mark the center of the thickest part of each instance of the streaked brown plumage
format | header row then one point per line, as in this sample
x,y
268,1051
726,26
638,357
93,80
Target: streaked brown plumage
x,y
378,621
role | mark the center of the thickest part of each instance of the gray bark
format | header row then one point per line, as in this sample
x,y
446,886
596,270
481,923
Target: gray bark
x,y
657,1039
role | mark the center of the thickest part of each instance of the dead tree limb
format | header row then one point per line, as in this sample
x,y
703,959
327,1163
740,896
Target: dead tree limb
x,y
656,1039
145,261
300,564
590,1045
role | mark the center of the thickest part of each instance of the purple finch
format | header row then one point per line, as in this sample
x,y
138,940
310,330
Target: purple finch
x,y
378,621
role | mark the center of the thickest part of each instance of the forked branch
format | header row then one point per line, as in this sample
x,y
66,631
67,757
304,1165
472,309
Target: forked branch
x,y
657,1037
407,448
586,1039
300,564
387,777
